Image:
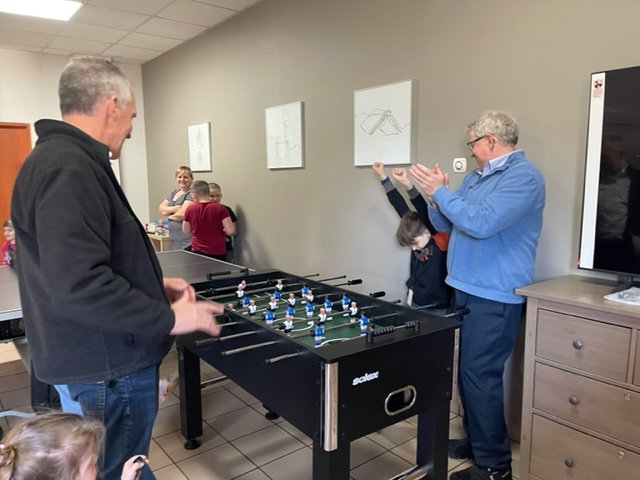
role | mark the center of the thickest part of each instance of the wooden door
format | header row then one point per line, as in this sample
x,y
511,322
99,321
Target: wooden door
x,y
15,144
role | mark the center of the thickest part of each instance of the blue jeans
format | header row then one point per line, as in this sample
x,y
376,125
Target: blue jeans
x,y
127,406
487,336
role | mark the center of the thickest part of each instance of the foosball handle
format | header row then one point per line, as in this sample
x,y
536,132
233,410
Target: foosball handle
x,y
379,294
458,313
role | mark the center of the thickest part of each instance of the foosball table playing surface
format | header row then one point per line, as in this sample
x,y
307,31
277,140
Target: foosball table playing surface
x,y
335,363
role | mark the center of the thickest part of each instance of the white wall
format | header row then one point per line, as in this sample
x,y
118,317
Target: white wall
x,y
29,92
531,58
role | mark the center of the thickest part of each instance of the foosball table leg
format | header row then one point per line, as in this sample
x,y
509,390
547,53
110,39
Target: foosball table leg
x,y
190,397
332,465
432,440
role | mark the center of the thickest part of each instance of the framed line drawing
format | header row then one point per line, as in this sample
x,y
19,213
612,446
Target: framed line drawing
x,y
285,143
383,124
200,147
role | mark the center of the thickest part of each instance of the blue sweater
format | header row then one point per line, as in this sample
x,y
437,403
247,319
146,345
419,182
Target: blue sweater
x,y
495,221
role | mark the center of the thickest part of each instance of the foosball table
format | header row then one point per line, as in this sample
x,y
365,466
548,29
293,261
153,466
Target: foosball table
x,y
336,374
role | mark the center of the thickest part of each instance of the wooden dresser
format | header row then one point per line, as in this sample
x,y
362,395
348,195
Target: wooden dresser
x,y
581,393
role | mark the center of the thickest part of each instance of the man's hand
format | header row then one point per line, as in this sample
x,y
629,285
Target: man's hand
x,y
177,288
429,179
400,174
378,167
195,316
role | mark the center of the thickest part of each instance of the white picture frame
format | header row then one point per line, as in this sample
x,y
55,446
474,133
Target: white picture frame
x,y
284,132
200,147
383,124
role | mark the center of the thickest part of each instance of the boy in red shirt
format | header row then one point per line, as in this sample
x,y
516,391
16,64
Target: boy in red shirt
x,y
208,223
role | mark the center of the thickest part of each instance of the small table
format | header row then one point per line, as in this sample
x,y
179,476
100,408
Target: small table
x,y
160,242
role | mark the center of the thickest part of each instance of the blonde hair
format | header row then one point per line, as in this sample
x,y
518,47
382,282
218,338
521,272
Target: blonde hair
x,y
52,446
184,169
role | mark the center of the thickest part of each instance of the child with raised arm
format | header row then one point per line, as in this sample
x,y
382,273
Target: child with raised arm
x,y
58,446
208,223
427,269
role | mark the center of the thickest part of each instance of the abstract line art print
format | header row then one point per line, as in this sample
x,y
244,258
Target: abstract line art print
x,y
382,124
284,136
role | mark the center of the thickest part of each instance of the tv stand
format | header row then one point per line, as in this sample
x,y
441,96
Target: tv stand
x,y
629,283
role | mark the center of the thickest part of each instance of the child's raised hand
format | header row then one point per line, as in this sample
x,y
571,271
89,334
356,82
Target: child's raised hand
x,y
379,169
400,174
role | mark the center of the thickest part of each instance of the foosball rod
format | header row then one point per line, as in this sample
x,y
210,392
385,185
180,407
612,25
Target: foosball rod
x,y
255,290
210,275
267,281
225,353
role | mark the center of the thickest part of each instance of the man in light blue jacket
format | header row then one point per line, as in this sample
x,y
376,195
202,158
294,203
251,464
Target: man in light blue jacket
x,y
495,219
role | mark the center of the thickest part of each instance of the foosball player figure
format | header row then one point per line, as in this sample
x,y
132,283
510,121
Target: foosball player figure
x,y
309,308
240,294
364,321
353,312
304,290
277,294
269,317
230,307
288,324
318,334
328,305
279,285
291,300
310,296
273,304
322,316
345,300
252,307
291,311
246,300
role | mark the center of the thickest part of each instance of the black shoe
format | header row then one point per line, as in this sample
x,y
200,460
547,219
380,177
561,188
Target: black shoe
x,y
460,449
476,473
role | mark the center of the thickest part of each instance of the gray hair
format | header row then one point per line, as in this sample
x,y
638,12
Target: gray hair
x,y
501,125
86,81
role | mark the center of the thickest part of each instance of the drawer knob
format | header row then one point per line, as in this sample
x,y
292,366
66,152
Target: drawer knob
x,y
577,344
568,462
573,400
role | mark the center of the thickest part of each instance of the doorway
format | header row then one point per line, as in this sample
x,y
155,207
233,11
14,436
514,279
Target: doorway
x,y
15,145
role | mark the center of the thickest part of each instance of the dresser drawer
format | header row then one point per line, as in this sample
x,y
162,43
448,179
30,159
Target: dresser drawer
x,y
591,346
562,453
603,408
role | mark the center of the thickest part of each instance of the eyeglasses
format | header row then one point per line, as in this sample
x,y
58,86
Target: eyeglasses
x,y
471,143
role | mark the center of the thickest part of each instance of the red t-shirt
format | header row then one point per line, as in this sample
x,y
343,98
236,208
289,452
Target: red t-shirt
x,y
207,235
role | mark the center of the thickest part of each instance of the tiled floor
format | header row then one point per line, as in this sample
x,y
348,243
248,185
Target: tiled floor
x,y
238,442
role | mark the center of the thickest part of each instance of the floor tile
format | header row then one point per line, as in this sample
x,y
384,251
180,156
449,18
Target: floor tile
x,y
169,473
218,403
394,435
267,445
295,466
382,467
221,463
295,432
239,423
173,443
363,450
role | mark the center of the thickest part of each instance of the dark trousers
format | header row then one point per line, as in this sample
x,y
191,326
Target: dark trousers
x,y
127,406
487,336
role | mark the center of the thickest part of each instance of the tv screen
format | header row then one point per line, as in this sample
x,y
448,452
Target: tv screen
x,y
610,236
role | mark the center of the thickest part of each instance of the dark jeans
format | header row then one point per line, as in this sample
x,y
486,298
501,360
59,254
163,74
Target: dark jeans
x,y
127,406
487,336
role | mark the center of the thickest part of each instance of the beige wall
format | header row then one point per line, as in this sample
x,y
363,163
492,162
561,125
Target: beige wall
x,y
29,92
531,58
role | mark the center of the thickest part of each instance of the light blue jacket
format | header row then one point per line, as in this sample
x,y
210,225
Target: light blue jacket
x,y
495,221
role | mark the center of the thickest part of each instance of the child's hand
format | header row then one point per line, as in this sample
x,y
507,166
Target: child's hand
x,y
132,467
379,169
400,174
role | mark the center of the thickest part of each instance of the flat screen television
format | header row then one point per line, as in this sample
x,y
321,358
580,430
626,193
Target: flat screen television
x,y
610,234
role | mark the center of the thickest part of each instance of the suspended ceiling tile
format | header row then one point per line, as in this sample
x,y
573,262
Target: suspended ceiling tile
x,y
30,24
154,42
78,44
236,5
170,28
18,37
108,17
142,54
146,7
92,32
197,13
